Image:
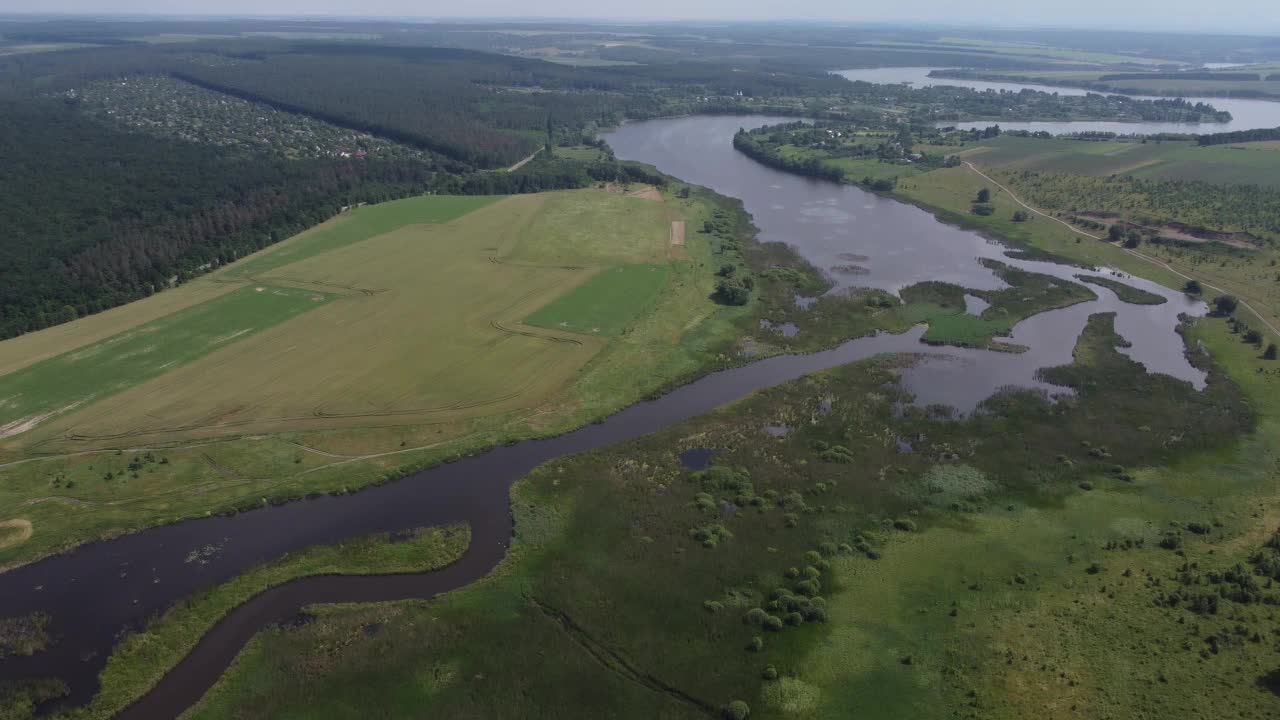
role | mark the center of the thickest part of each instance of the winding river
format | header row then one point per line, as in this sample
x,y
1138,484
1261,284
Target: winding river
x,y
1245,114
101,589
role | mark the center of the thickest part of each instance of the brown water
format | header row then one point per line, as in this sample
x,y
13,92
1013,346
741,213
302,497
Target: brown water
x,y
96,592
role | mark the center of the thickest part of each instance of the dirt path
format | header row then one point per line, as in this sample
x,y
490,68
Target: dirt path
x,y
24,533
677,232
1134,253
523,162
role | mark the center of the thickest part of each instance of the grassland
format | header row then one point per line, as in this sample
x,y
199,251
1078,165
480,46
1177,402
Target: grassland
x,y
1245,164
94,372
1126,293
606,304
396,369
986,573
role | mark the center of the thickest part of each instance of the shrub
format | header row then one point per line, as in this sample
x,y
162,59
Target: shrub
x,y
904,524
710,535
837,454
792,573
1192,287
809,587
737,710
845,549
773,623
827,548
984,196
756,644
791,519
1270,352
794,618
1020,216
816,614
769,673
812,557
1225,304
704,502
732,291
811,572
712,606
983,209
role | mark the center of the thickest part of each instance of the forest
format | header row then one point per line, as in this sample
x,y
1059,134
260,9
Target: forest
x,y
115,199
99,217
1239,136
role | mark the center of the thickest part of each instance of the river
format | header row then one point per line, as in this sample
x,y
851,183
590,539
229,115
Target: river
x,y
101,589
1245,114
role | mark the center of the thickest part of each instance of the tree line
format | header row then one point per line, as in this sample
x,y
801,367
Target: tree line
x,y
1239,136
97,217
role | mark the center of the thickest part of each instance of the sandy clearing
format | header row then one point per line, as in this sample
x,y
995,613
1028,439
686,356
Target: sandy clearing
x,y
24,533
648,192
677,232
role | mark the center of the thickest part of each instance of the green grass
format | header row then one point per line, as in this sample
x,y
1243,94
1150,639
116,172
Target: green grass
x,y
1126,293
361,224
605,569
607,303
372,353
584,153
142,658
942,306
595,228
1173,160
131,358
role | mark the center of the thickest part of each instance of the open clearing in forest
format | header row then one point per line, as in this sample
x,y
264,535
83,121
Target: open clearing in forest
x,y
399,313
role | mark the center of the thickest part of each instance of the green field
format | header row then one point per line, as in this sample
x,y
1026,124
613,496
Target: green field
x,y
1011,563
1232,164
606,304
360,224
52,387
391,337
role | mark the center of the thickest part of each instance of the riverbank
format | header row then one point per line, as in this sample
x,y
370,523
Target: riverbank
x,y
894,579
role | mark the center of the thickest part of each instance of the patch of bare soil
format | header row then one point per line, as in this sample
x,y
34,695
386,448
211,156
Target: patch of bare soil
x,y
648,192
677,232
1181,232
10,538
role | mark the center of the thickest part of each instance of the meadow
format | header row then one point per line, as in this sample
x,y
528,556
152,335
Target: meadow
x,y
1243,164
982,571
395,368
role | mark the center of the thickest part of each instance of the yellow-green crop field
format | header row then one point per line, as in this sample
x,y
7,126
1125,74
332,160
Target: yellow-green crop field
x,y
392,335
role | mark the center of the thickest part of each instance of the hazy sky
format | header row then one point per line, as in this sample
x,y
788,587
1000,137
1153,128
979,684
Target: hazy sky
x,y
1240,15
